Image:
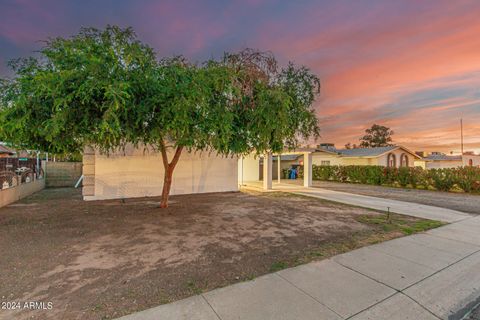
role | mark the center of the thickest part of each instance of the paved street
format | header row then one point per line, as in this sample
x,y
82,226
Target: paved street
x,y
451,200
433,275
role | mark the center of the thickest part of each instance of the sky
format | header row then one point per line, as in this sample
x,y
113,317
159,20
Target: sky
x,y
411,65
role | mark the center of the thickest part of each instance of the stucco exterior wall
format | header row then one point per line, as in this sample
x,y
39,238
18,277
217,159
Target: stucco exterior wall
x,y
443,164
420,163
136,173
474,158
360,161
248,169
382,160
21,191
318,157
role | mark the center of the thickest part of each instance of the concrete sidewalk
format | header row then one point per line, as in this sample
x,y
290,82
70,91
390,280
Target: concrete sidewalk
x,y
433,275
396,206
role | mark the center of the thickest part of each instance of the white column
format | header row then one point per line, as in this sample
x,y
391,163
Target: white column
x,y
267,171
279,170
307,169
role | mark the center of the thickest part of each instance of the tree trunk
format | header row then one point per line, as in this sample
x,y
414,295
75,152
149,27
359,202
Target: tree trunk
x,y
169,167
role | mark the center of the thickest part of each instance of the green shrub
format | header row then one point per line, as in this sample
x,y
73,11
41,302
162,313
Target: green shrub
x,y
323,172
467,178
390,175
442,179
403,176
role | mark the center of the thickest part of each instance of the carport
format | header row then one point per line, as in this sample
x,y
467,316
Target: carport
x,y
249,168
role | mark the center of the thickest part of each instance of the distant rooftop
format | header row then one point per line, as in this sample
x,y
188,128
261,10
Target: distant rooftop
x,y
360,152
5,149
440,156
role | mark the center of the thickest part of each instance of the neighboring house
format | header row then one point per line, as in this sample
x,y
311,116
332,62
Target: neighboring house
x,y
438,160
6,152
471,160
391,156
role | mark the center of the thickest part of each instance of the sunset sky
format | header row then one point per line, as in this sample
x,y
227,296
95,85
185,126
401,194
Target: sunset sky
x,y
411,65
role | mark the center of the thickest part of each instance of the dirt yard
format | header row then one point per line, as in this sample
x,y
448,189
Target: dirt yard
x,y
104,259
469,203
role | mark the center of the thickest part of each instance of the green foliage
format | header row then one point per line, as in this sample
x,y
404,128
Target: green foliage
x,y
107,89
466,178
403,176
442,179
277,266
377,136
399,223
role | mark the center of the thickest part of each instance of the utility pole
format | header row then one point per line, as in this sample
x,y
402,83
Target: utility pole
x,y
461,132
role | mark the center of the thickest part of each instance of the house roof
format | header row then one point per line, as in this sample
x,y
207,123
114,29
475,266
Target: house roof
x,y
365,152
442,157
4,149
287,157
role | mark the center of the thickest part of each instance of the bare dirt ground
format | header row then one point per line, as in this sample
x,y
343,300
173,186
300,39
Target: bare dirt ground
x,y
104,259
469,203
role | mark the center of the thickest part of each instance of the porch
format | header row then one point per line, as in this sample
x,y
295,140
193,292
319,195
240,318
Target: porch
x,y
259,171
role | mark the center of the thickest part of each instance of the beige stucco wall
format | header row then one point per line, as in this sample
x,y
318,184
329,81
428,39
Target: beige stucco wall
x,y
318,157
382,160
248,168
21,191
475,159
442,164
136,173
359,161
420,163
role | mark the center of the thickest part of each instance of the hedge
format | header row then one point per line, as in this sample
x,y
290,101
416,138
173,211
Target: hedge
x,y
465,178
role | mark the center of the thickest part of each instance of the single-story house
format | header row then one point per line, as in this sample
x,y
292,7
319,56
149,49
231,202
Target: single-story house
x,y
438,160
136,172
391,156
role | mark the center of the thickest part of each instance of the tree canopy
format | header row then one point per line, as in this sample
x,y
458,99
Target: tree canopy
x,y
377,136
106,89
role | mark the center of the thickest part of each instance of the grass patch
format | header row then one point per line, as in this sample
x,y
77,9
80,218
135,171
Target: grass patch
x,y
277,266
193,287
395,222
386,227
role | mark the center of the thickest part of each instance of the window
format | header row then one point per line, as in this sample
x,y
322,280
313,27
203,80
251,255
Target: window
x,y
391,160
404,160
325,162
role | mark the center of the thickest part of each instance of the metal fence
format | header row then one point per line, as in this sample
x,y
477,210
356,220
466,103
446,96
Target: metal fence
x,y
16,171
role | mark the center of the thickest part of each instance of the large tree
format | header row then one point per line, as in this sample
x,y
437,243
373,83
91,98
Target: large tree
x,y
106,89
377,136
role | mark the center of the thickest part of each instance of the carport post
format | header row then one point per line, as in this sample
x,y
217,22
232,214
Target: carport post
x,y
267,171
278,168
307,169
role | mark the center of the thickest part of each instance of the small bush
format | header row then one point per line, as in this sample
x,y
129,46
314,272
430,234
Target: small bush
x,y
467,178
442,179
403,176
